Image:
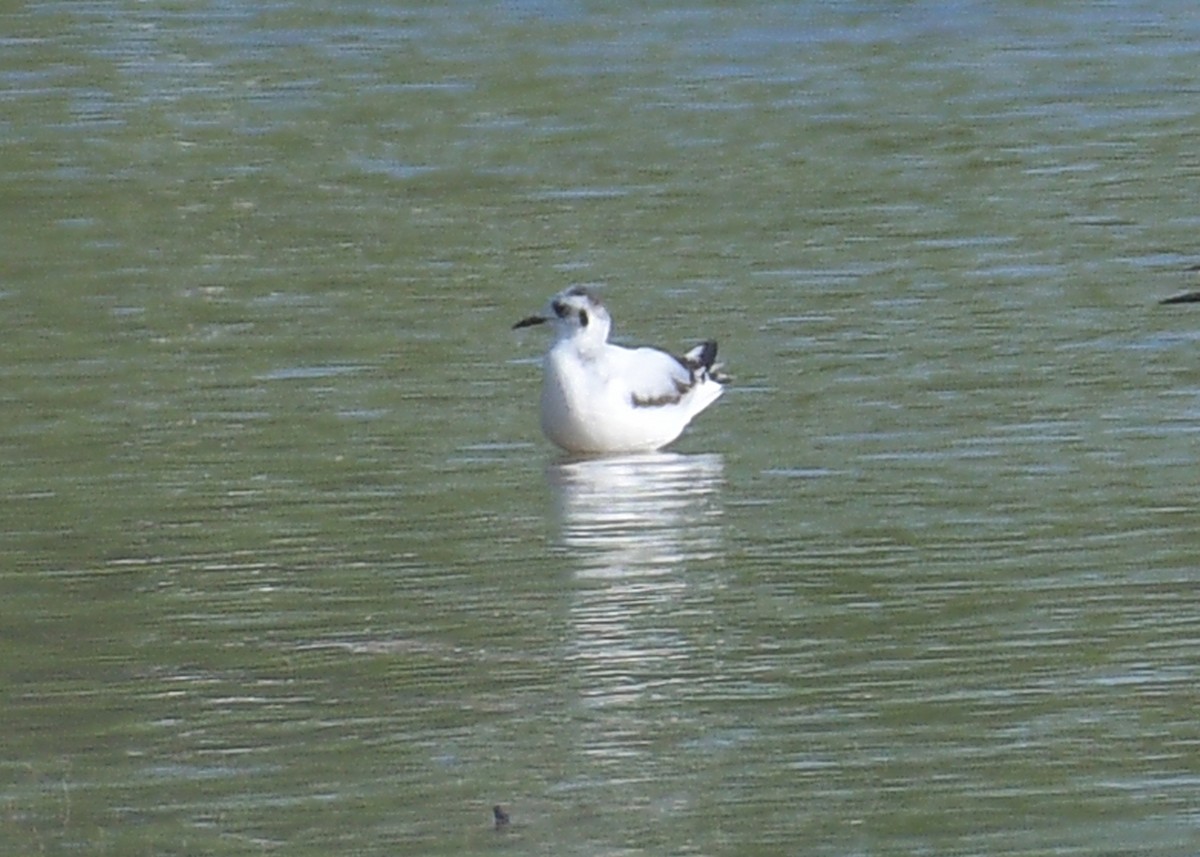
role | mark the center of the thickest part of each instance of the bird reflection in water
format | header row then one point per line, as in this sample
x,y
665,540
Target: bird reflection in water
x,y
642,535
640,514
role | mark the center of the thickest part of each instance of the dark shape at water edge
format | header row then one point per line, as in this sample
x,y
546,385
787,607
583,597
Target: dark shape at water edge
x,y
1182,298
502,819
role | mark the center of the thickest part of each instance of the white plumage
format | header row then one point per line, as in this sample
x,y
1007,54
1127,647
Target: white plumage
x,y
601,398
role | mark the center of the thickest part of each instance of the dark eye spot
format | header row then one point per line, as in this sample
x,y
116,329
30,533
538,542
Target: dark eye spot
x,y
583,318
560,309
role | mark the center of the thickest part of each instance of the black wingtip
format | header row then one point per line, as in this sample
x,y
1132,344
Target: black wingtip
x,y
702,356
701,361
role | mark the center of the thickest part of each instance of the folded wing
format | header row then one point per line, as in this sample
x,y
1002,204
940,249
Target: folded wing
x,y
657,379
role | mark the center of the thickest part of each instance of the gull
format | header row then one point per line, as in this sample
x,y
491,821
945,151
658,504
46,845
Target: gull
x,y
599,398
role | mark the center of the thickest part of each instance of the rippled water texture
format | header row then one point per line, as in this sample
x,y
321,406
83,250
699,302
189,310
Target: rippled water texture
x,y
285,566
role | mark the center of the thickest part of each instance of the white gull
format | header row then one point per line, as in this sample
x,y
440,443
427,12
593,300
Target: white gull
x,y
599,398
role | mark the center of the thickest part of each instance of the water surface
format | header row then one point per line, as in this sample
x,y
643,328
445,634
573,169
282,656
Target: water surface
x,y
287,567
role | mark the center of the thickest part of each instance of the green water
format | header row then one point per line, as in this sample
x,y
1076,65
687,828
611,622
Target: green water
x,y
285,566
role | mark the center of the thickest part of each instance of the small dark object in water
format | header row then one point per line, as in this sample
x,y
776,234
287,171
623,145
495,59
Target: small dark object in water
x,y
502,819
1184,298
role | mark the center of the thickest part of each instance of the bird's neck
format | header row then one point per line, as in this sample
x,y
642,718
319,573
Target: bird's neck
x,y
587,347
